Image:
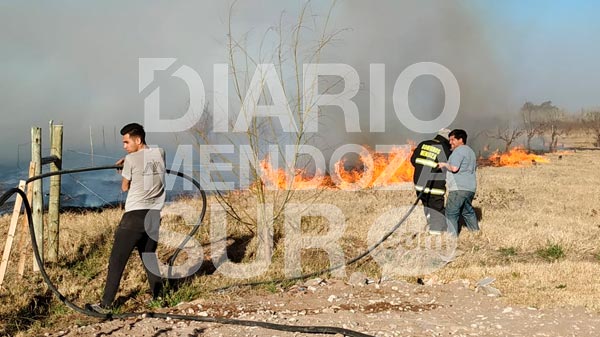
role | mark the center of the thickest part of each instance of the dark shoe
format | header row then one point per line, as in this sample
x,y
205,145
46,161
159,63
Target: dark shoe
x,y
97,308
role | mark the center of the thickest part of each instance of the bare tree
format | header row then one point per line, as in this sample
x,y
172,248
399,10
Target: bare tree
x,y
508,134
554,123
532,123
282,52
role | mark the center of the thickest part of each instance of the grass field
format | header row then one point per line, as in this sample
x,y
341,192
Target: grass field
x,y
540,234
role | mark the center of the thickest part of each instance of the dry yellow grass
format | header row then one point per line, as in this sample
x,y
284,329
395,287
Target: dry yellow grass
x,y
525,212
529,209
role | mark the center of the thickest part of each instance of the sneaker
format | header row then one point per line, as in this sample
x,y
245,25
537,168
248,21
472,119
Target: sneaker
x,y
97,308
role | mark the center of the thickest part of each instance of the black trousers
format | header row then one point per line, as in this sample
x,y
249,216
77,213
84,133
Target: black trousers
x,y
137,229
434,211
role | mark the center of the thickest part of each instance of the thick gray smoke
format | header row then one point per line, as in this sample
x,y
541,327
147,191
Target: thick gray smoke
x,y
77,63
399,34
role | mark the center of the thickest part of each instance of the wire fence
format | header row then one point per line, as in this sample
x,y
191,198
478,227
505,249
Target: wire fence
x,y
78,190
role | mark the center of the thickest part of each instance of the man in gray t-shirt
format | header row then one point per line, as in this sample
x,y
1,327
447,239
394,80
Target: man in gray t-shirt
x,y
145,171
462,182
143,178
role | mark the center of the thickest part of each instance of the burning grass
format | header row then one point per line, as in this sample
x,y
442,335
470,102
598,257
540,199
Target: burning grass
x,y
372,170
516,157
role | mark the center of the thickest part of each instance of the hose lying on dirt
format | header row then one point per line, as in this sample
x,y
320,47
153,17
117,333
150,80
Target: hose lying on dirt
x,y
330,269
280,327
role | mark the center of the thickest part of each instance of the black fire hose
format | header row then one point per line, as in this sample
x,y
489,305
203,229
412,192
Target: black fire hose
x,y
68,303
173,257
330,269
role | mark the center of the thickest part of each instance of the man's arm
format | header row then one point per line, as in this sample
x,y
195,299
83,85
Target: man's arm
x,y
126,172
125,183
449,167
415,154
454,161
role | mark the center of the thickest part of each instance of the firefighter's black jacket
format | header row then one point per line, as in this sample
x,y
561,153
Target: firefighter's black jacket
x,y
428,177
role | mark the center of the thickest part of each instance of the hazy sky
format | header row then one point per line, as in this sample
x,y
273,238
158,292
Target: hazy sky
x,y
77,61
547,48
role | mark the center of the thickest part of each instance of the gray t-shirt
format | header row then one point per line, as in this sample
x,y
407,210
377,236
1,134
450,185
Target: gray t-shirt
x,y
465,179
146,171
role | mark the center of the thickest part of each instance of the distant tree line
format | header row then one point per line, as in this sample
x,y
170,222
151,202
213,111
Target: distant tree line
x,y
547,121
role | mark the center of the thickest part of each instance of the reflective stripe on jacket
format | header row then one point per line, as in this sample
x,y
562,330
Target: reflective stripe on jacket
x,y
434,191
428,177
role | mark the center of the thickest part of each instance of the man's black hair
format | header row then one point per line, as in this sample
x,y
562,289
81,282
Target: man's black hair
x,y
134,130
459,134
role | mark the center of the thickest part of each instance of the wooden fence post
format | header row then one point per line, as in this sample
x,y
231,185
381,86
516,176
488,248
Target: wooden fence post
x,y
38,200
54,201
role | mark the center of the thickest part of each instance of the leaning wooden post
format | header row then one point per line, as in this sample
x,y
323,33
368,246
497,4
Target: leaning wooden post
x,y
38,200
54,201
24,236
12,231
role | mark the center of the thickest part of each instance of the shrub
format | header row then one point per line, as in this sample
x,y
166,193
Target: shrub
x,y
551,252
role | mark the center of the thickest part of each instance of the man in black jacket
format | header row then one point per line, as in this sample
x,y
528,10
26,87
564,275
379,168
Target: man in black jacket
x,y
430,181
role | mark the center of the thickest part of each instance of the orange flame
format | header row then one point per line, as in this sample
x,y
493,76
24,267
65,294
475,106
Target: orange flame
x,y
373,170
278,178
516,157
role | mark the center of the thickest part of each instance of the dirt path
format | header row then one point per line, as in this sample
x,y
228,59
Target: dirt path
x,y
388,308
